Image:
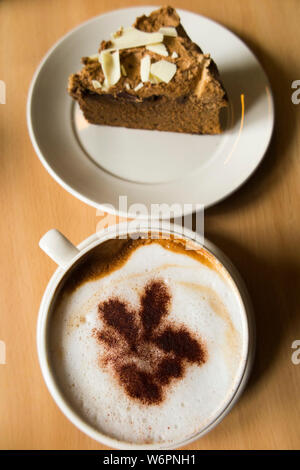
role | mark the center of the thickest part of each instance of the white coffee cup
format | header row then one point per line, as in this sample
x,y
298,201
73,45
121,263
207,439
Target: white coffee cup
x,y
65,254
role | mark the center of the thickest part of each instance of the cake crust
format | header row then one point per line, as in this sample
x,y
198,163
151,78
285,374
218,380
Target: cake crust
x,y
190,102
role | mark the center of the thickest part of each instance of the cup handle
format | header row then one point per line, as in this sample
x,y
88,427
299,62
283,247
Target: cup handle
x,y
58,247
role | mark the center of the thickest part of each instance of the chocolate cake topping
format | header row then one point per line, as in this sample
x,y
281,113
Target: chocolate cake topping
x,y
145,351
190,101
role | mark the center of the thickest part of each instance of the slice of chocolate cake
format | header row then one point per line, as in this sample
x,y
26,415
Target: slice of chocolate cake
x,y
151,76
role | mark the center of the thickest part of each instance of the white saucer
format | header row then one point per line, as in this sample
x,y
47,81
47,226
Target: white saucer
x,y
98,164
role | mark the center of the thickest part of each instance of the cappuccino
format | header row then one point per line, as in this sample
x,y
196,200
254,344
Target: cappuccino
x,y
147,339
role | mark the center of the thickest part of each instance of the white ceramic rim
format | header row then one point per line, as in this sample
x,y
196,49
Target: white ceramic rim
x,y
107,207
42,328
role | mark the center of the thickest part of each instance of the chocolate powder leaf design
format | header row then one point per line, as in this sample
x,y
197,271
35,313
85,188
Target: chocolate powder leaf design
x,y
117,315
145,351
180,343
154,306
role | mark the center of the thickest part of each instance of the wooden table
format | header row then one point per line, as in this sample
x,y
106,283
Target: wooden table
x,y
258,228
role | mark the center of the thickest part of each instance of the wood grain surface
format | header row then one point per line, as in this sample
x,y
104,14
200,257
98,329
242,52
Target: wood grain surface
x,y
258,228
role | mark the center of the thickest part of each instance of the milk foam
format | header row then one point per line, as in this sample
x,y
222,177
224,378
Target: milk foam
x,y
203,299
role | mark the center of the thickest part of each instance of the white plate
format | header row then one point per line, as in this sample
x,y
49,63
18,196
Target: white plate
x,y
98,164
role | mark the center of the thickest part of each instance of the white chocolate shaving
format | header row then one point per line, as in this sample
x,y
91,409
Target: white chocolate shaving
x,y
132,37
168,31
145,68
139,86
111,67
174,55
154,80
96,84
163,70
159,48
